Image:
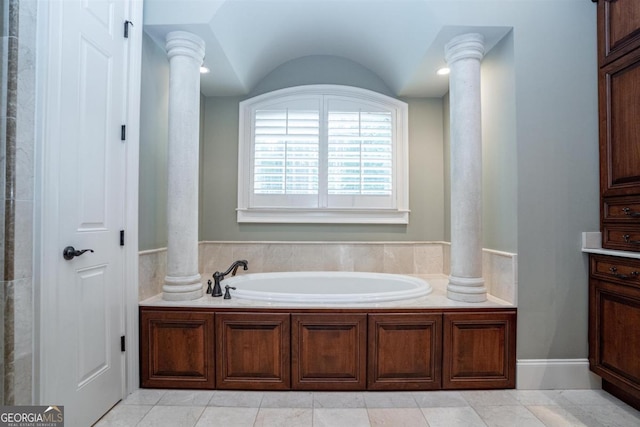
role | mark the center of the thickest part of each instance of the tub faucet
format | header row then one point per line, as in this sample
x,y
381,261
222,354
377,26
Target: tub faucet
x,y
218,277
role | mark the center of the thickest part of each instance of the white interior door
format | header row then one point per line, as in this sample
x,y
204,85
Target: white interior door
x,y
83,319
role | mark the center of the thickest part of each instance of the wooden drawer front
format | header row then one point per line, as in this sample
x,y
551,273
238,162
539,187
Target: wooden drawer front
x,y
614,333
253,351
405,351
620,270
329,351
479,350
618,28
176,349
624,238
621,209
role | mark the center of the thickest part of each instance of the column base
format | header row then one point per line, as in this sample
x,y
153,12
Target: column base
x,y
466,289
182,288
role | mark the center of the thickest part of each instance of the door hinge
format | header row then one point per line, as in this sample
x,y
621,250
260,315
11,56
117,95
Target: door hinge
x,y
123,132
122,345
126,28
121,237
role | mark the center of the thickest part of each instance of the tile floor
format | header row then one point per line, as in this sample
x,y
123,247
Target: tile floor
x,y
520,408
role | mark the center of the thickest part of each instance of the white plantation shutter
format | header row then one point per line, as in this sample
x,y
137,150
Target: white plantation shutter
x,y
286,152
360,153
323,154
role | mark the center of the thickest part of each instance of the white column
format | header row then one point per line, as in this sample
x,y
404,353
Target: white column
x,y
186,53
463,55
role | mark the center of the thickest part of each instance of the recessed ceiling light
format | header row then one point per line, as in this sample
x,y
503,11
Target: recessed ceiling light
x,y
204,70
443,71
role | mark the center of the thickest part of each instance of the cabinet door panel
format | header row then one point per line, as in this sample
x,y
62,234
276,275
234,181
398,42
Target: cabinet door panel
x,y
176,349
253,351
614,334
619,127
479,350
618,28
329,351
405,351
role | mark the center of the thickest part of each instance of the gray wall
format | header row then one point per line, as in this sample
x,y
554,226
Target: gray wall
x,y
499,166
154,115
220,177
541,164
557,174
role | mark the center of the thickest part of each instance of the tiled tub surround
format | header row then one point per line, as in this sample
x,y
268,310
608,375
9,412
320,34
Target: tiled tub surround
x,y
414,258
436,299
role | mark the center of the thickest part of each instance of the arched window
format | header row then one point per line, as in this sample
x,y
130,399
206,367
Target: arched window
x,y
323,154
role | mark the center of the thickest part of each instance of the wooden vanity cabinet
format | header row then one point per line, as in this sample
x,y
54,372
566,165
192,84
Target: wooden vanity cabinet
x,y
618,28
479,350
614,325
405,351
253,351
614,282
329,351
619,109
176,349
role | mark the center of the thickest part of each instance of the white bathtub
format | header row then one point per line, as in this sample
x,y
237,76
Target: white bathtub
x,y
326,287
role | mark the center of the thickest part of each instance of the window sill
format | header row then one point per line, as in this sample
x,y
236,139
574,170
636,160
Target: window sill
x,y
323,216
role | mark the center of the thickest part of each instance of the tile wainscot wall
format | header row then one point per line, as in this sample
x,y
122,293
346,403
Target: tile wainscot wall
x,y
414,258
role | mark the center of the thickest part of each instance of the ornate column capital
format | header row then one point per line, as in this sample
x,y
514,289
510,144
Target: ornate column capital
x,y
182,43
465,46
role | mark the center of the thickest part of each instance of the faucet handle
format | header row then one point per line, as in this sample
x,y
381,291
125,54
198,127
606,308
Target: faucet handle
x,y
227,294
209,286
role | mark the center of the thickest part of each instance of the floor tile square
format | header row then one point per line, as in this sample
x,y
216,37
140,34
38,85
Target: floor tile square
x,y
238,399
144,397
396,399
452,417
340,417
174,416
508,416
287,399
284,417
392,417
124,416
589,397
489,398
227,417
435,399
558,416
336,399
613,415
186,398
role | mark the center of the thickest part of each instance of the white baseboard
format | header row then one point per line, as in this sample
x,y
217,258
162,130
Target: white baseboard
x,y
555,374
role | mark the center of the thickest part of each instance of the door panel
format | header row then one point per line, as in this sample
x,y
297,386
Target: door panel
x,y
85,108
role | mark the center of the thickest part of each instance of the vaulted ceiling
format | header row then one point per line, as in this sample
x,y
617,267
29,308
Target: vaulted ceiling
x,y
401,41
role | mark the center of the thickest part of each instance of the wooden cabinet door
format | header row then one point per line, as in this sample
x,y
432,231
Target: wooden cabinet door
x,y
614,334
479,350
176,349
405,351
619,105
329,351
618,28
253,351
